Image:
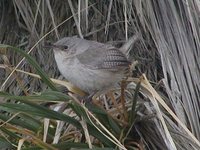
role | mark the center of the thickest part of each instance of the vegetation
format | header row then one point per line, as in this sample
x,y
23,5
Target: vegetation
x,y
155,108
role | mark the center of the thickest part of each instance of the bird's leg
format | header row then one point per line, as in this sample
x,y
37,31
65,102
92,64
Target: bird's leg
x,y
88,98
63,89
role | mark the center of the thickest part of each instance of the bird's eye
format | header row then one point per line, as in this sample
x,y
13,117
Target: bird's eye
x,y
64,47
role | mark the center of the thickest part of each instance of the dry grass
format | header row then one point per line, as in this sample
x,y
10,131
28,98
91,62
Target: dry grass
x,y
167,52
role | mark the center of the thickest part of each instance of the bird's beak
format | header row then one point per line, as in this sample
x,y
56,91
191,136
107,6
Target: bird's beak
x,y
48,45
56,47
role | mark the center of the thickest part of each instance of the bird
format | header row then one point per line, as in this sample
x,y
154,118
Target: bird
x,y
90,65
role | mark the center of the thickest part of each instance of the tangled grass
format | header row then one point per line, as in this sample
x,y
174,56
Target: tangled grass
x,y
159,109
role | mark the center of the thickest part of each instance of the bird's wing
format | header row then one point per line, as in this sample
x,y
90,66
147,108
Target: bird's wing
x,y
104,58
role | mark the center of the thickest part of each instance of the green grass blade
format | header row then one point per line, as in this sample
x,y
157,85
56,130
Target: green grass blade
x,y
92,130
44,96
34,109
37,110
33,63
27,123
4,144
133,108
